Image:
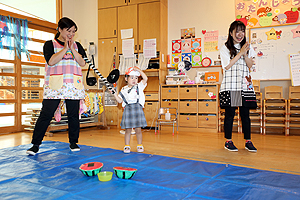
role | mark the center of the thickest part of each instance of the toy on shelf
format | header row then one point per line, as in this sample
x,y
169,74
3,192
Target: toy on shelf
x,y
182,67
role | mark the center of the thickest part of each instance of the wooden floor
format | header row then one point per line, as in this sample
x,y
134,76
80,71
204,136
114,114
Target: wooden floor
x,y
275,152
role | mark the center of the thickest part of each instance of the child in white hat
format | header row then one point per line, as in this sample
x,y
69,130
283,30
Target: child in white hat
x,y
133,100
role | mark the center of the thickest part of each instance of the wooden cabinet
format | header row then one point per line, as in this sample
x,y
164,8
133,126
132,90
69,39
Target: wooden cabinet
x,y
150,111
107,23
127,19
111,3
149,20
188,106
149,23
106,50
144,19
197,104
169,97
188,92
169,92
208,106
111,115
115,3
188,120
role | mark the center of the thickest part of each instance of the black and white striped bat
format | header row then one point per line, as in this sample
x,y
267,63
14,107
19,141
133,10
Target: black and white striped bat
x,y
108,85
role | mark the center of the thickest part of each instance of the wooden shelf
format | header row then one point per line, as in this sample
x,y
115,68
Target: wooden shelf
x,y
92,120
199,66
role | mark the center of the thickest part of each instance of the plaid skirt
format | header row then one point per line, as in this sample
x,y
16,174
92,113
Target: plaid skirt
x,y
133,116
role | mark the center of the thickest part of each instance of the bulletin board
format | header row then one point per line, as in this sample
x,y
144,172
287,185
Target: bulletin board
x,y
273,46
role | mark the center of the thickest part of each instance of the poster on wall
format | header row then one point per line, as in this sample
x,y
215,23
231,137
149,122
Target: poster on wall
x,y
260,13
294,60
188,33
176,58
186,56
196,45
211,39
176,46
149,48
186,46
196,59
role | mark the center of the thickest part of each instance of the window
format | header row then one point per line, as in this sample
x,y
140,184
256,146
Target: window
x,y
22,77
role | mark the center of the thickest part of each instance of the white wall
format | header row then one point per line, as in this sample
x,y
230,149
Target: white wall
x,y
85,15
206,15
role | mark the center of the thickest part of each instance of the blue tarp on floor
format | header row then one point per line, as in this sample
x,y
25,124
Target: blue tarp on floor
x,y
54,174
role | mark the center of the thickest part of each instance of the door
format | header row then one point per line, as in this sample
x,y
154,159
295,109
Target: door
x,y
149,23
127,19
107,23
106,50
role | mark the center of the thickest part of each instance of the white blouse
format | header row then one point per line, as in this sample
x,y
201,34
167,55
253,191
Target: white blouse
x,y
132,96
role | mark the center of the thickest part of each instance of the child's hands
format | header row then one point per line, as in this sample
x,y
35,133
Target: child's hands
x,y
245,49
135,68
113,91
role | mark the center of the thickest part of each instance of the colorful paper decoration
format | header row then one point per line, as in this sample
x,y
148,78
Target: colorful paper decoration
x,y
18,28
186,56
188,33
176,58
296,32
176,46
265,20
271,34
186,46
211,39
267,12
196,59
212,76
292,15
206,62
196,45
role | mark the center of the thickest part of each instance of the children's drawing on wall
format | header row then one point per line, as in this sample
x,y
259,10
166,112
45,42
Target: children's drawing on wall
x,y
273,34
196,45
296,32
176,46
188,33
211,39
176,58
256,13
187,50
186,45
186,56
196,59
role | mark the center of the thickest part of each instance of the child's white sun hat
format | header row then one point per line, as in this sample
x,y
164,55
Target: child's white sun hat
x,y
131,72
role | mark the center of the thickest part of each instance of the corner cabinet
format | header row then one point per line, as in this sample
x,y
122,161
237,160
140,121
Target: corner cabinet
x,y
197,105
149,20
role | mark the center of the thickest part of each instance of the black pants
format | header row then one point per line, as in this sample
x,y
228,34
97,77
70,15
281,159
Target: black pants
x,y
49,107
228,122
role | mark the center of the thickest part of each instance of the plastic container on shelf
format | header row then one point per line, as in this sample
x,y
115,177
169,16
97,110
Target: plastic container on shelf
x,y
168,115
